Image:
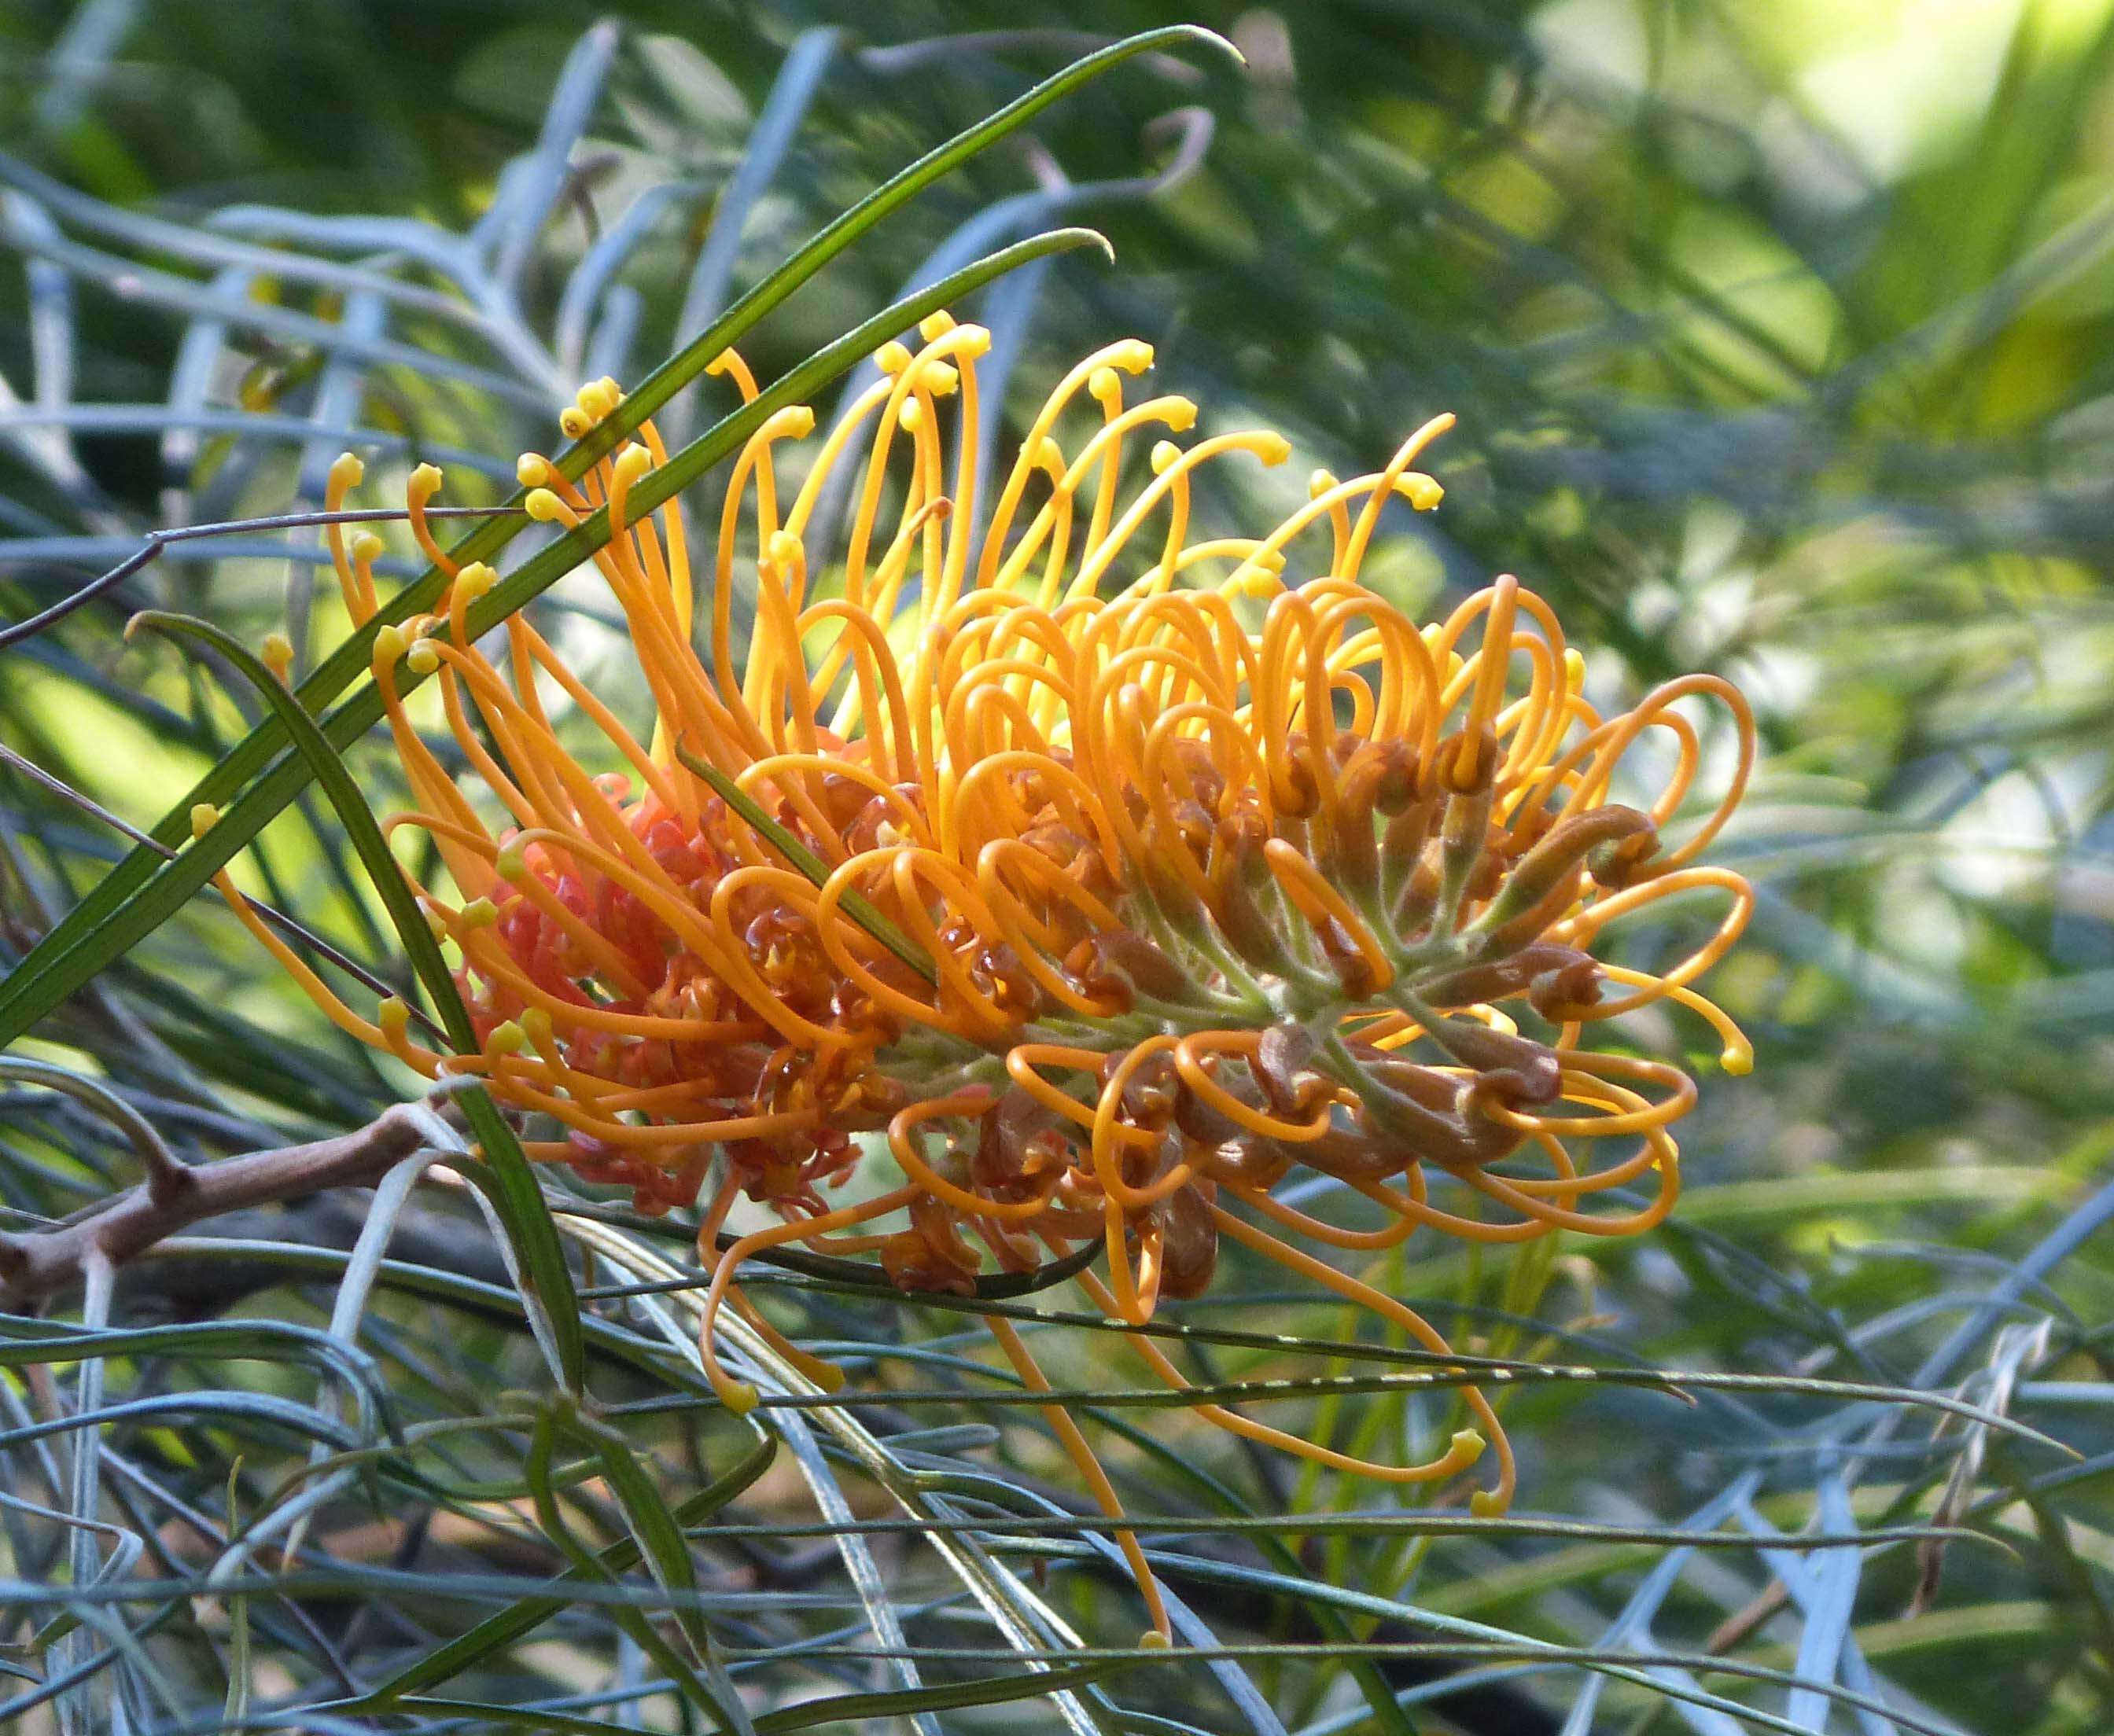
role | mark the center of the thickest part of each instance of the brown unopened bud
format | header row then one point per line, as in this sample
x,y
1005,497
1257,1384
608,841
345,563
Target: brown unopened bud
x,y
1542,887
1498,979
1509,1068
1018,1142
1465,763
1149,1093
1463,839
1293,787
1204,1125
1245,1161
843,799
1121,964
1188,1241
1395,786
1429,1114
1560,994
1351,851
1280,1062
1615,865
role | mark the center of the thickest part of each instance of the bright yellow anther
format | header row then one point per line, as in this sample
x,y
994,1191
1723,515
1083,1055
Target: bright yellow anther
x,y
1165,456
204,817
1180,415
1132,355
1423,492
1319,484
912,416
389,645
508,1038
595,400
632,463
367,547
533,470
394,1018
510,863
422,659
535,1026
971,342
277,651
479,913
1486,1504
474,580
1102,384
573,422
935,325
891,359
939,379
546,508
424,483
346,472
608,384
785,551
1271,447
1050,456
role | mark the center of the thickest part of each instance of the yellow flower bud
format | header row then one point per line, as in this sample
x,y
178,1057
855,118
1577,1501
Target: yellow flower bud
x,y
277,652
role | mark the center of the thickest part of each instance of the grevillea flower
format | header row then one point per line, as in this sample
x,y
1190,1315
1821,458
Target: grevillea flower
x,y
1102,875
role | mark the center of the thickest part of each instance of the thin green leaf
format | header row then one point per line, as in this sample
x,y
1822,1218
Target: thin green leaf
x,y
548,1282
790,846
497,1632
589,1565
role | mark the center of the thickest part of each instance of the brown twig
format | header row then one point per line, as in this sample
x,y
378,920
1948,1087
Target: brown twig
x,y
39,1264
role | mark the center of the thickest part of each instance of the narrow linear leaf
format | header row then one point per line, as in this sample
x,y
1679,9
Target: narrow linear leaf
x,y
816,870
588,1566
836,1711
516,1195
497,1632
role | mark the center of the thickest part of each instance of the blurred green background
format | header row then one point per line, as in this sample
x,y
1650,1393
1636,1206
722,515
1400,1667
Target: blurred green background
x,y
1779,337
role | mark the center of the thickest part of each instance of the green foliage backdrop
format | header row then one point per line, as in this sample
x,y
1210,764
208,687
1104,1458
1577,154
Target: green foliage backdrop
x,y
1779,336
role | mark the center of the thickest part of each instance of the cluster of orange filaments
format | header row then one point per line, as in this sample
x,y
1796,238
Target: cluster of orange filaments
x,y
1098,875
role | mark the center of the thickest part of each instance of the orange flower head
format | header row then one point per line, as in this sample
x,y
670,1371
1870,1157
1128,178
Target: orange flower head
x,y
1102,872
